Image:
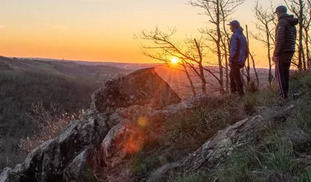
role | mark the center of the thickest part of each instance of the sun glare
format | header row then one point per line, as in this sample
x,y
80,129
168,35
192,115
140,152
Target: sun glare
x,y
174,60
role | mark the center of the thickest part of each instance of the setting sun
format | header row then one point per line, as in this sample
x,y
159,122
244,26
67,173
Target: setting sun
x,y
174,60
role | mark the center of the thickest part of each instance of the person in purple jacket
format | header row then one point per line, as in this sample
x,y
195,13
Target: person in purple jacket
x,y
238,54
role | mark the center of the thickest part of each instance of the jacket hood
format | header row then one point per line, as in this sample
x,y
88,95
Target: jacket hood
x,y
290,18
239,30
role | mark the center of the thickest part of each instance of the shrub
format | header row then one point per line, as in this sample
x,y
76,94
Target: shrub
x,y
250,104
49,126
143,164
279,156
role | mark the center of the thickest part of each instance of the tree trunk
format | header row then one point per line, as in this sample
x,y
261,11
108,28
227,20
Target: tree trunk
x,y
201,68
203,80
255,70
218,46
227,71
190,80
307,47
269,52
226,45
303,58
248,61
300,61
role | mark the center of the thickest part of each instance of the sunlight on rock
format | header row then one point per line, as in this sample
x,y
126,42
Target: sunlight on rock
x,y
131,147
134,145
135,139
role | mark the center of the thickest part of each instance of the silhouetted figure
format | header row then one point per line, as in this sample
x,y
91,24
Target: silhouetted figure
x,y
285,43
238,54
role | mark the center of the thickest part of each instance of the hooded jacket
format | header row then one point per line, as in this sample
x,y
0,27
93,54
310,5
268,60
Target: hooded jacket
x,y
285,35
238,47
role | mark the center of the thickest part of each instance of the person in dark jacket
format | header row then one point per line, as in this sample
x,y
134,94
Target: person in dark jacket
x,y
238,55
285,43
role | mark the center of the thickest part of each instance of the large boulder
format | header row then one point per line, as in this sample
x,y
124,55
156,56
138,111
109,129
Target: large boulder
x,y
139,88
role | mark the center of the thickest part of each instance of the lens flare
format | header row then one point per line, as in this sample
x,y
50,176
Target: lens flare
x,y
142,122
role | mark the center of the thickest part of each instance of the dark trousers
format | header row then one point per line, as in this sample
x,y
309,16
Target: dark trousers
x,y
236,83
282,72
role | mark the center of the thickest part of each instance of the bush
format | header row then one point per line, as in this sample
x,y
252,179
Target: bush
x,y
183,134
49,126
143,164
186,132
279,157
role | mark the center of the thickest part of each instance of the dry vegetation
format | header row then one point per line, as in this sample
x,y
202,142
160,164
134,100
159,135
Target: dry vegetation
x,y
276,161
49,127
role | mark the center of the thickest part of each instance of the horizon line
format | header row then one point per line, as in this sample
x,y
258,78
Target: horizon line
x,y
90,61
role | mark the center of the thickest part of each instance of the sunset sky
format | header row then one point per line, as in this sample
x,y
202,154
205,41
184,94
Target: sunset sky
x,y
100,30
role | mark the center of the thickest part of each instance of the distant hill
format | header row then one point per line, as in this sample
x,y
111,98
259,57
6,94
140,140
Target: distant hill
x,y
68,85
59,87
126,66
68,68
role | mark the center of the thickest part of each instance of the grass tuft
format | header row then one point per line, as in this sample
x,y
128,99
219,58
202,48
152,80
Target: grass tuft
x,y
189,178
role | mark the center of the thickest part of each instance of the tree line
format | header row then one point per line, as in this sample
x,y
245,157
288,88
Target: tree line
x,y
215,39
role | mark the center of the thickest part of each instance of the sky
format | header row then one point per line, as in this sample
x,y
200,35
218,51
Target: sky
x,y
101,30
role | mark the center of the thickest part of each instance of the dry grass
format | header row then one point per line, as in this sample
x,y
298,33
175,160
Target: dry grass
x,y
49,126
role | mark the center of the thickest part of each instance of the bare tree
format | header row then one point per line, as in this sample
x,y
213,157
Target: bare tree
x,y
217,12
306,28
253,61
185,68
265,19
247,66
190,52
225,48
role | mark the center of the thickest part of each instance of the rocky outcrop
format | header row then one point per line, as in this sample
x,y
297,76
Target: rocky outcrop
x,y
114,127
216,149
125,115
81,167
139,88
251,132
48,161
